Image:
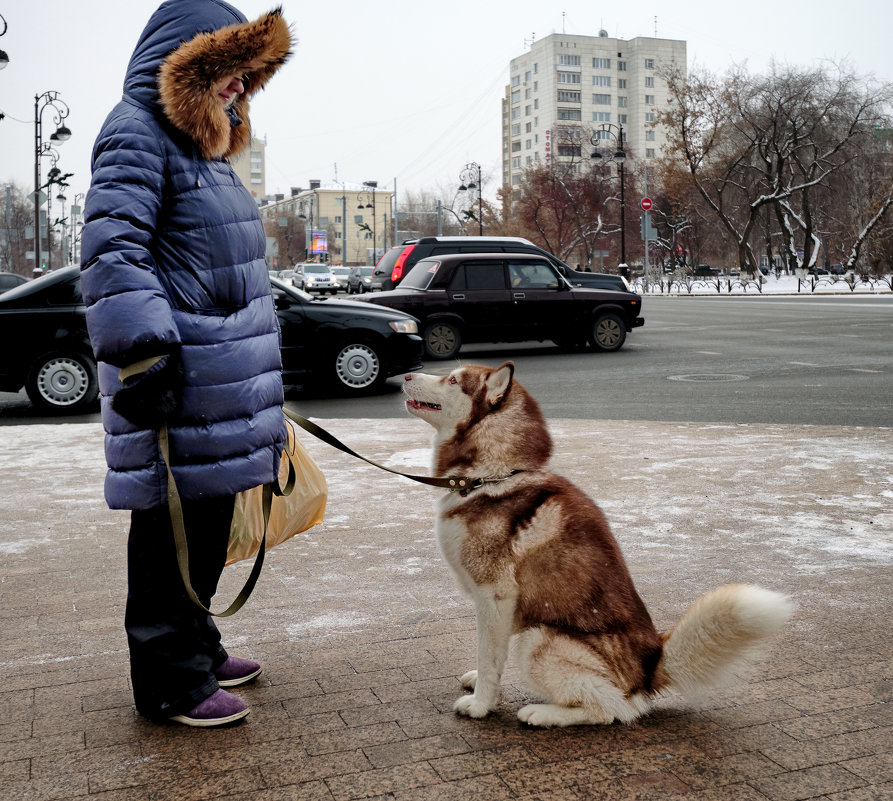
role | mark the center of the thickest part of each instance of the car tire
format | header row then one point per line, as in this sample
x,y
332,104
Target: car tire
x,y
608,333
349,290
442,340
63,381
357,367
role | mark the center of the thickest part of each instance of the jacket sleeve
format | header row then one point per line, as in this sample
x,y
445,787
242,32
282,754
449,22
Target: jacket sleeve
x,y
128,313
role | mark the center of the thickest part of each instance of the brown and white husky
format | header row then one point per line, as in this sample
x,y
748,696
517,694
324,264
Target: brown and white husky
x,y
539,561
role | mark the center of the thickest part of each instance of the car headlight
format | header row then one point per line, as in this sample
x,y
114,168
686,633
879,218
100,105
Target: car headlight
x,y
404,326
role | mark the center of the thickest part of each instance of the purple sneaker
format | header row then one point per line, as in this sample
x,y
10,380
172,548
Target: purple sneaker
x,y
236,671
216,710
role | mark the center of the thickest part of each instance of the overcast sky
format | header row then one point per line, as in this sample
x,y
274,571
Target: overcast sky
x,y
392,88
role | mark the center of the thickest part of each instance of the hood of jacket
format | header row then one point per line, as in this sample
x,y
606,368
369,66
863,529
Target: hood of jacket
x,y
186,49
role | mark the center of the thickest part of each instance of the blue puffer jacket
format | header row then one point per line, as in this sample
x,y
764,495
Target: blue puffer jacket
x,y
173,257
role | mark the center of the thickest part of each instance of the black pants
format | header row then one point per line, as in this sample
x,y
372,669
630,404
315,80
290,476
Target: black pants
x,y
174,645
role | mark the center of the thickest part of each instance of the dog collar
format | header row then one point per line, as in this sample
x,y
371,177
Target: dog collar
x,y
465,485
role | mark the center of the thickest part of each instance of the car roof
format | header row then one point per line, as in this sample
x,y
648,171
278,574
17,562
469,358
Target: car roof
x,y
451,257
430,240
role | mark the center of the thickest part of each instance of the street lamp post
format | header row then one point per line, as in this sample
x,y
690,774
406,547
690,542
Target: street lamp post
x,y
65,253
619,156
467,179
308,229
4,59
41,148
372,185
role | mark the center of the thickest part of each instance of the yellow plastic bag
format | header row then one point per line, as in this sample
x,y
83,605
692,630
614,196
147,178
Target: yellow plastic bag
x,y
290,514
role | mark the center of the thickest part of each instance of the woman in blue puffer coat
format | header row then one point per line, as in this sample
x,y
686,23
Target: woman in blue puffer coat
x,y
183,325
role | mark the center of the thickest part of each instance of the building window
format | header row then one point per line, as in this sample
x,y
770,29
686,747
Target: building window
x,y
527,110
569,114
338,217
601,80
621,66
516,113
567,96
621,83
601,116
568,77
649,152
528,161
622,101
527,128
649,63
569,61
569,150
516,146
601,63
527,93
536,139
516,129
649,116
649,100
601,100
536,85
649,82
536,102
602,134
516,81
621,118
516,163
516,96
649,136
527,76
528,144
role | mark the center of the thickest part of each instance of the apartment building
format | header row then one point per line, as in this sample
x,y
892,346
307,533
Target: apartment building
x,y
343,223
250,166
565,88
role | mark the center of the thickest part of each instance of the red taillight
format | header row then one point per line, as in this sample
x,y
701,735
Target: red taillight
x,y
397,272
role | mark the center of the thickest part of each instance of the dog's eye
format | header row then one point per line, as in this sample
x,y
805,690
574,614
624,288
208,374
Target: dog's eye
x,y
453,380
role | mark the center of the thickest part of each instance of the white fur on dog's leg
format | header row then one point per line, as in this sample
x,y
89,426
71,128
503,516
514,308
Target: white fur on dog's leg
x,y
469,679
546,715
471,707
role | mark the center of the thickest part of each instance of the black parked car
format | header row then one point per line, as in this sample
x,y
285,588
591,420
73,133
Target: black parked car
x,y
45,348
347,345
508,298
400,259
9,280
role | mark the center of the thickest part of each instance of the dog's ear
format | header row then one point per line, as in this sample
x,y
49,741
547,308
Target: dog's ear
x,y
498,382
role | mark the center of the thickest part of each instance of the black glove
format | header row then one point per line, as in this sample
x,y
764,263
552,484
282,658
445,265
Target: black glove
x,y
150,399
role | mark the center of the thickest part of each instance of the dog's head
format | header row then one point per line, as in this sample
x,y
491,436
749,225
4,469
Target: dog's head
x,y
486,422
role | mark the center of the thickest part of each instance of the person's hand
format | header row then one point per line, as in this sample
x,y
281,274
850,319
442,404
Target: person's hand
x,y
150,399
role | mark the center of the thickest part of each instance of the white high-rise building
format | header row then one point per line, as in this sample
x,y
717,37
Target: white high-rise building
x,y
565,88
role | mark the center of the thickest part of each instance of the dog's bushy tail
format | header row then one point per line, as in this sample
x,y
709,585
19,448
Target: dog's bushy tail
x,y
718,634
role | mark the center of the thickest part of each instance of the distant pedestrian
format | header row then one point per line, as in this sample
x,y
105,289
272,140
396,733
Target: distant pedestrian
x,y
179,300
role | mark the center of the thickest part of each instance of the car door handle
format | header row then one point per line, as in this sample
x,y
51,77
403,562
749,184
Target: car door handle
x,y
458,297
518,295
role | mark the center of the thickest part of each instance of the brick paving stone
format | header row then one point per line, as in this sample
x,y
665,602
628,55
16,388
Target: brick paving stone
x,y
381,780
808,783
362,658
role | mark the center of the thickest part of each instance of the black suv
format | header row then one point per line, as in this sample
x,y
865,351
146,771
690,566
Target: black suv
x,y
398,261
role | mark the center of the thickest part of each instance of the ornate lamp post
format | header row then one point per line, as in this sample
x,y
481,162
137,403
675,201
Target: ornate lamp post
x,y
308,228
467,179
41,148
608,130
372,185
4,59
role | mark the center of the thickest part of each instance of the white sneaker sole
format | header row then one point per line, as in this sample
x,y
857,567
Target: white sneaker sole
x,y
209,722
241,680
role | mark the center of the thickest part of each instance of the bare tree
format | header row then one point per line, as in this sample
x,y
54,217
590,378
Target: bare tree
x,y
773,142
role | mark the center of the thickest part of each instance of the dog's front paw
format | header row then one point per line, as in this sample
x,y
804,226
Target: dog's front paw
x,y
471,707
469,679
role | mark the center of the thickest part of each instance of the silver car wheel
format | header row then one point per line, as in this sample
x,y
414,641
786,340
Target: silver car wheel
x,y
62,381
357,366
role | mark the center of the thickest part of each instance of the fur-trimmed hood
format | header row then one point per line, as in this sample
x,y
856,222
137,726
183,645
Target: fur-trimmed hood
x,y
187,47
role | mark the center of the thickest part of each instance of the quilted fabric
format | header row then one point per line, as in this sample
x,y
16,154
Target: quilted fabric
x,y
173,263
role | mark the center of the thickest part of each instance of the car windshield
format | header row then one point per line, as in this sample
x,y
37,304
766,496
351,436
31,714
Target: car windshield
x,y
420,276
366,270
315,268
